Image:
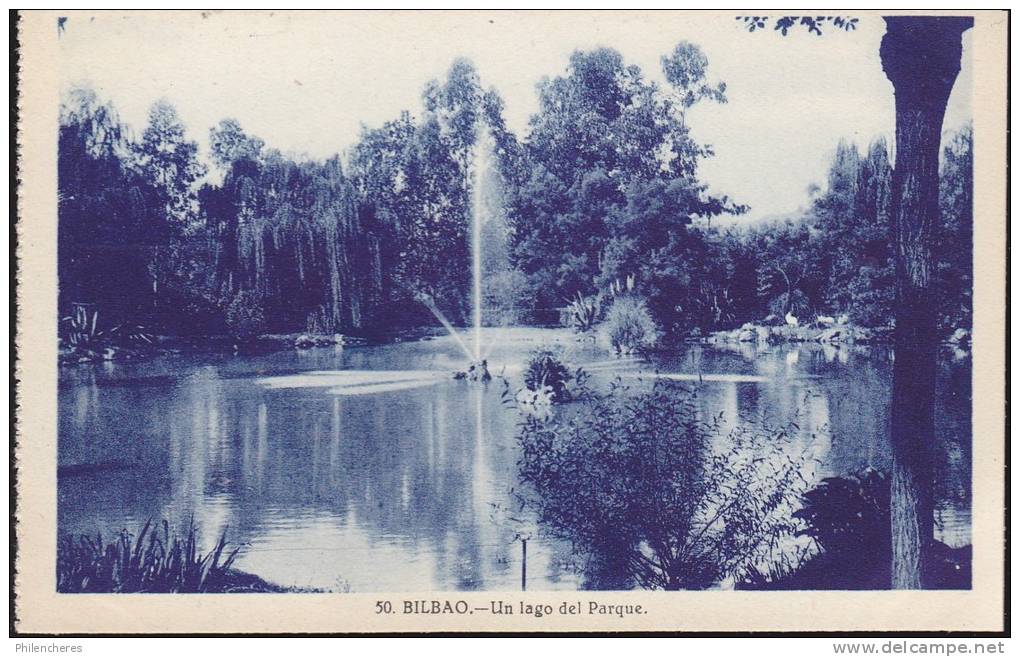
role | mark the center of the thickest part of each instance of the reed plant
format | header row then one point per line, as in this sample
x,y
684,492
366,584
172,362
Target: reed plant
x,y
154,561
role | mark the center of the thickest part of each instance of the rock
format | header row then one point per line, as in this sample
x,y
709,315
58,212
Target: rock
x,y
762,333
845,334
304,341
860,334
747,335
786,334
830,335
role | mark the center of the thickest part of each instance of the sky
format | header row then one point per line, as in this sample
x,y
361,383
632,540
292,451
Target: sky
x,y
306,82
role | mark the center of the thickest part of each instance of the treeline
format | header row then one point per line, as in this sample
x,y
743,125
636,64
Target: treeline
x,y
837,259
281,244
604,188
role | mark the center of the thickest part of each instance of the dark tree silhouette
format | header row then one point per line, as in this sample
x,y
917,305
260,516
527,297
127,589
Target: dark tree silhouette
x,y
921,57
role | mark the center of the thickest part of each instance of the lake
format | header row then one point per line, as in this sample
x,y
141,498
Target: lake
x,y
372,469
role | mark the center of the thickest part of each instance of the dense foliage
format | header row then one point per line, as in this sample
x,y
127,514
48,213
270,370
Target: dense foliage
x,y
835,259
545,369
641,481
606,186
603,188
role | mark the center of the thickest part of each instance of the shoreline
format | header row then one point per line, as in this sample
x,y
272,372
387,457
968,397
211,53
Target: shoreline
x,y
748,333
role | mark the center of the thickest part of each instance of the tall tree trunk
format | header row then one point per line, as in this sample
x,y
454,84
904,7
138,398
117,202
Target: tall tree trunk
x,y
921,57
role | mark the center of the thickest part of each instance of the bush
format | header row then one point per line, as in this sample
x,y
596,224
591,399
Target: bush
x,y
545,370
245,318
629,326
797,305
873,296
80,331
319,321
508,298
849,516
640,481
849,519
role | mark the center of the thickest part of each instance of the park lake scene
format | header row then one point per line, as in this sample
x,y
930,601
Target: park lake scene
x,y
479,348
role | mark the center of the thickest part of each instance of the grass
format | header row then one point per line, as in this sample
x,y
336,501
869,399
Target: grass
x,y
153,562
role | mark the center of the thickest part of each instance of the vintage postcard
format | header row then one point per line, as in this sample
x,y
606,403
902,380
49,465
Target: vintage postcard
x,y
510,321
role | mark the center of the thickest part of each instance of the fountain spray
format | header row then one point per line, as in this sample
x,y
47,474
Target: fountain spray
x,y
477,208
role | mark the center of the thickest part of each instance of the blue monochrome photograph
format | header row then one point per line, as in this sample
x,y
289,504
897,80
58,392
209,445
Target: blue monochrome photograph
x,y
388,302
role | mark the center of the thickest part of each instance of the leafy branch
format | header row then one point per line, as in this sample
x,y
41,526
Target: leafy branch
x,y
813,24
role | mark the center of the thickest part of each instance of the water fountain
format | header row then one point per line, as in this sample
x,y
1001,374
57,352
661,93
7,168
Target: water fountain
x,y
477,369
479,166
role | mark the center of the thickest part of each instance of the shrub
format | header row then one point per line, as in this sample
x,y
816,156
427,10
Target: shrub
x,y
583,313
849,516
629,326
80,330
796,304
546,370
641,481
508,298
319,321
245,318
872,296
849,519
81,326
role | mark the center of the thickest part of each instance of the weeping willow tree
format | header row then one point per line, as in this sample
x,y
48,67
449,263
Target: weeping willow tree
x,y
292,245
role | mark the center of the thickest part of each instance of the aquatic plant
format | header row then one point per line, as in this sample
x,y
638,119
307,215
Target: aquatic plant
x,y
629,326
675,501
152,562
538,402
80,330
81,326
546,370
618,288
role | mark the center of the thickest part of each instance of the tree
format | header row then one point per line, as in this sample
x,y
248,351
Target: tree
x,y
299,250
852,230
229,143
955,244
169,162
610,186
104,209
921,57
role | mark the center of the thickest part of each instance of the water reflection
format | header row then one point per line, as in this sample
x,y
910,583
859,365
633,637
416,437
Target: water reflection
x,y
395,487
